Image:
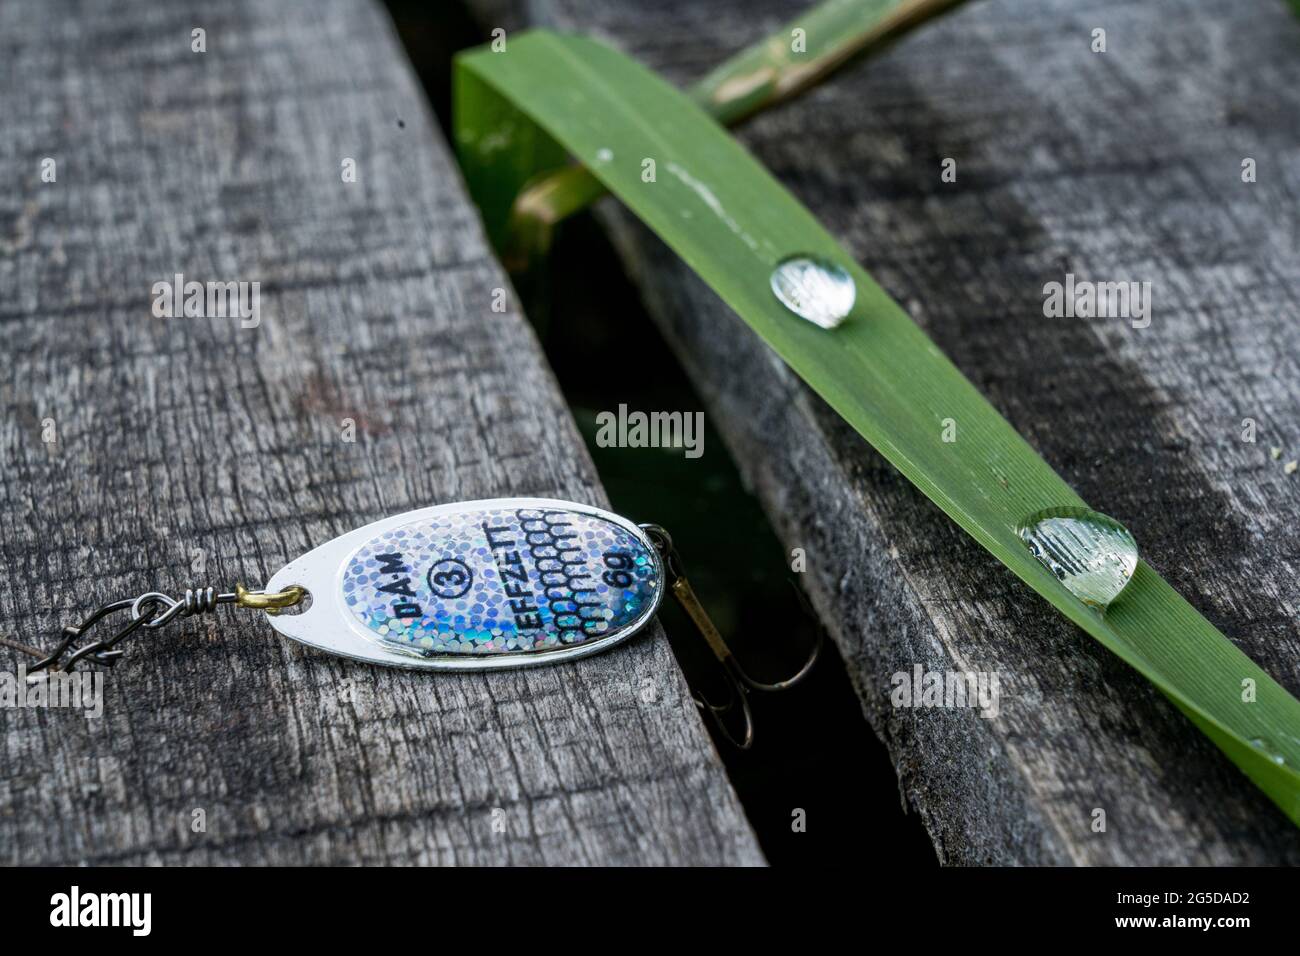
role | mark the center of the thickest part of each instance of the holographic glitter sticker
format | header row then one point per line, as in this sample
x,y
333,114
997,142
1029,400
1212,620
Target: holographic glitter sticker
x,y
501,581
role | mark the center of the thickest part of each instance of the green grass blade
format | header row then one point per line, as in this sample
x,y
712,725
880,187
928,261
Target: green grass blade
x,y
828,36
833,33
520,112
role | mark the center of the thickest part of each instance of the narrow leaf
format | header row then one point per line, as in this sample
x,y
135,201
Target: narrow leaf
x,y
823,38
519,113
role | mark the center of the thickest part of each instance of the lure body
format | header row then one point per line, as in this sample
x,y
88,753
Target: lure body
x,y
477,585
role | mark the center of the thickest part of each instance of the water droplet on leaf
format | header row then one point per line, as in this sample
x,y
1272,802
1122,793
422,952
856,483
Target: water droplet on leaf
x,y
814,289
1266,747
1093,555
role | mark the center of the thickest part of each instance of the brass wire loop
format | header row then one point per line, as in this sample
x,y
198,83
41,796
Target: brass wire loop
x,y
262,601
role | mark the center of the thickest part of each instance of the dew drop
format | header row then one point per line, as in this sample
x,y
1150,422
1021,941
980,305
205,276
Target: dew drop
x,y
1266,747
1093,555
814,289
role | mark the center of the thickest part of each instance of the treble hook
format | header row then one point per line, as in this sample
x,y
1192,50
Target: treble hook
x,y
739,683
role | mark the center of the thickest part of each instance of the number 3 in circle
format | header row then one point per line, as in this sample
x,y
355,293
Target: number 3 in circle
x,y
450,578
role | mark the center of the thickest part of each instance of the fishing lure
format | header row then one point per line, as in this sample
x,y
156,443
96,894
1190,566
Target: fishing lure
x,y
476,585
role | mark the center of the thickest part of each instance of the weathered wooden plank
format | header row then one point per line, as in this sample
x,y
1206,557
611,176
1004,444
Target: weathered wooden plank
x,y
193,438
1123,165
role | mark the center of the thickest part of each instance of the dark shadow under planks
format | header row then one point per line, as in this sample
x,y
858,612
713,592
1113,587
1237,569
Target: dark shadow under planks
x,y
193,441
1124,165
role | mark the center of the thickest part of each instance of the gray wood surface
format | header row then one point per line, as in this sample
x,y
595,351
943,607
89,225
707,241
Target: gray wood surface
x,y
1123,165
184,434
